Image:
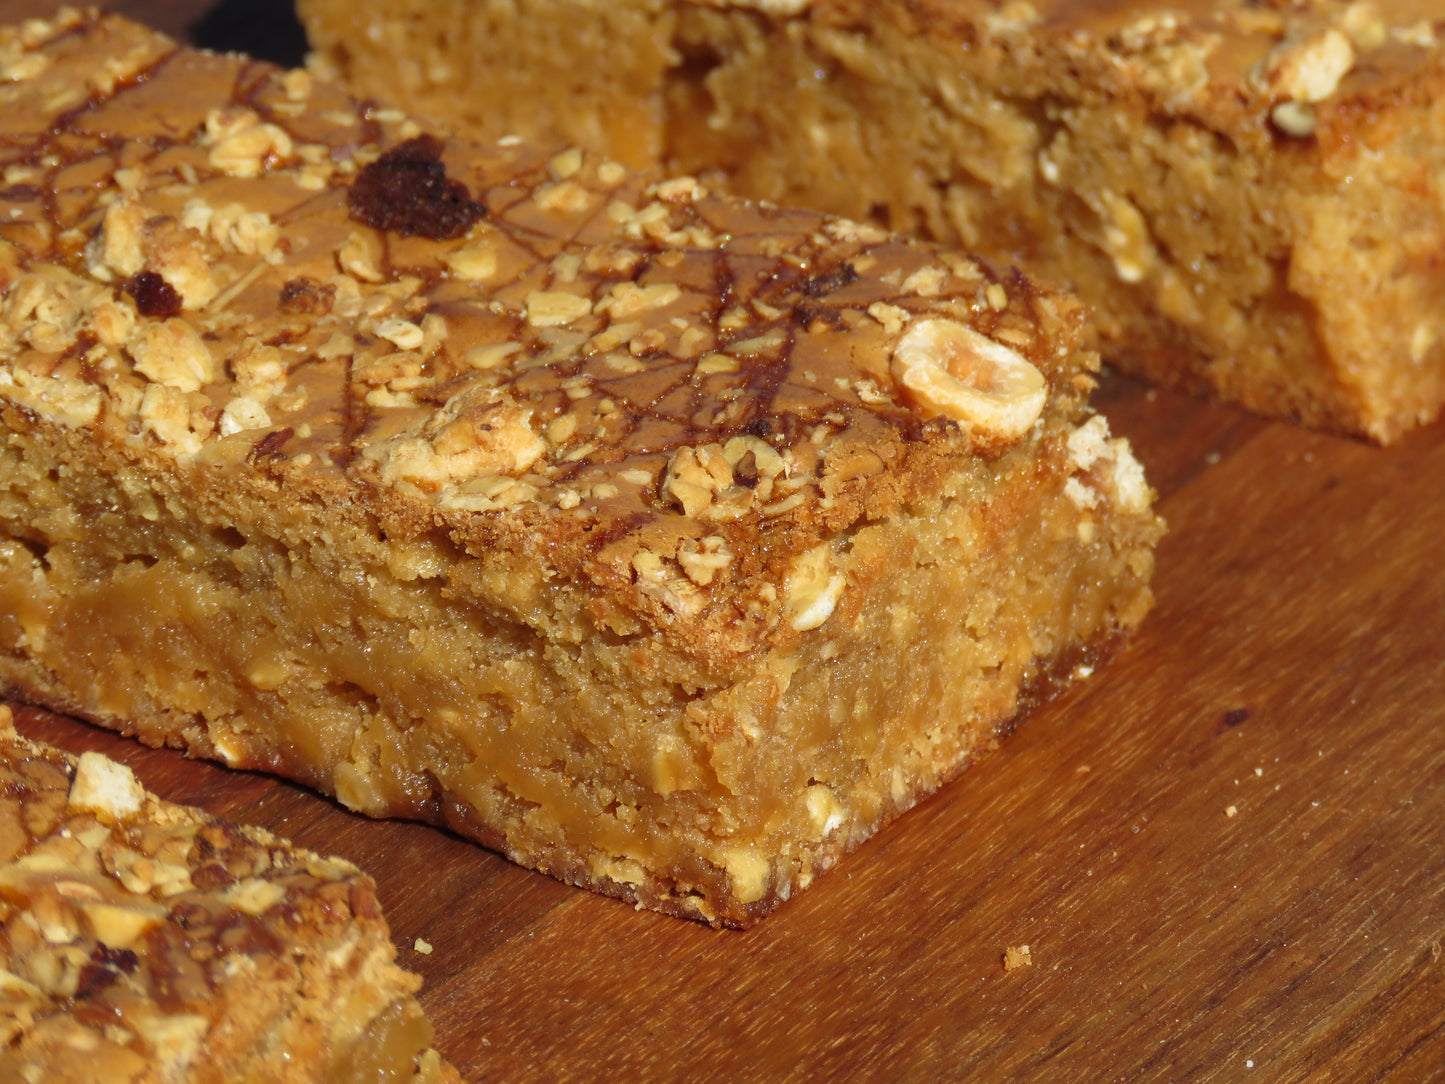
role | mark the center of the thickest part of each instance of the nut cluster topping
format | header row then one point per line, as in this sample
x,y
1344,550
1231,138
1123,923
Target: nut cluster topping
x,y
1309,69
127,926
1286,59
1104,470
1303,71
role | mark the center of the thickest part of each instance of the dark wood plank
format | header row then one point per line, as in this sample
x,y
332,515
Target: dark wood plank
x,y
1292,673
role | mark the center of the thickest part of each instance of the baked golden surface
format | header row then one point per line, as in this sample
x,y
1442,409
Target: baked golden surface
x,y
665,543
142,941
1248,193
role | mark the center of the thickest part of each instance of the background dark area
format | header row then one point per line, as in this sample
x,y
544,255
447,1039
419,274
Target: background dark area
x,y
262,28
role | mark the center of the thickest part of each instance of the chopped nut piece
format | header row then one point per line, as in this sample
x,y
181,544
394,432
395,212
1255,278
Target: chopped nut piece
x,y
117,248
120,926
242,145
949,369
1017,956
1126,238
357,257
173,353
403,334
1310,70
241,414
705,558
813,588
1294,118
477,263
305,295
748,873
102,786
164,412
627,299
551,308
823,808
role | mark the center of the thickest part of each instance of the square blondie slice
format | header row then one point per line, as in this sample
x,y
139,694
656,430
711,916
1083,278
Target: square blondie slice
x,y
1248,194
666,543
142,942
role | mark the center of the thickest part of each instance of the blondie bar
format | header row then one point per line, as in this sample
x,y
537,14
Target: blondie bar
x,y
1248,193
666,543
146,942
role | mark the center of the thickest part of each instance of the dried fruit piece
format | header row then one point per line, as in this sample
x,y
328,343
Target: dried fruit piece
x,y
407,191
153,295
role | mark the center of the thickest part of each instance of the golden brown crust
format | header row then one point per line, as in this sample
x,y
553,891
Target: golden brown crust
x,y
146,942
1228,65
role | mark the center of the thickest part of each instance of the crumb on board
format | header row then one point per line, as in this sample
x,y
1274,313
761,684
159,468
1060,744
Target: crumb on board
x,y
1231,811
1017,956
424,947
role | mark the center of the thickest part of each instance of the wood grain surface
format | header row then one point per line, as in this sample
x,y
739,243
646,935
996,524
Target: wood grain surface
x,y
1226,852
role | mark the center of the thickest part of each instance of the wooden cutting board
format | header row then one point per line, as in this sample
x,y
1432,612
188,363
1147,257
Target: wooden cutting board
x,y
1225,853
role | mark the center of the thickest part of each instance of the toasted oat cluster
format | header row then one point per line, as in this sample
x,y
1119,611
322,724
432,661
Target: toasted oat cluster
x,y
1248,193
666,543
142,941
